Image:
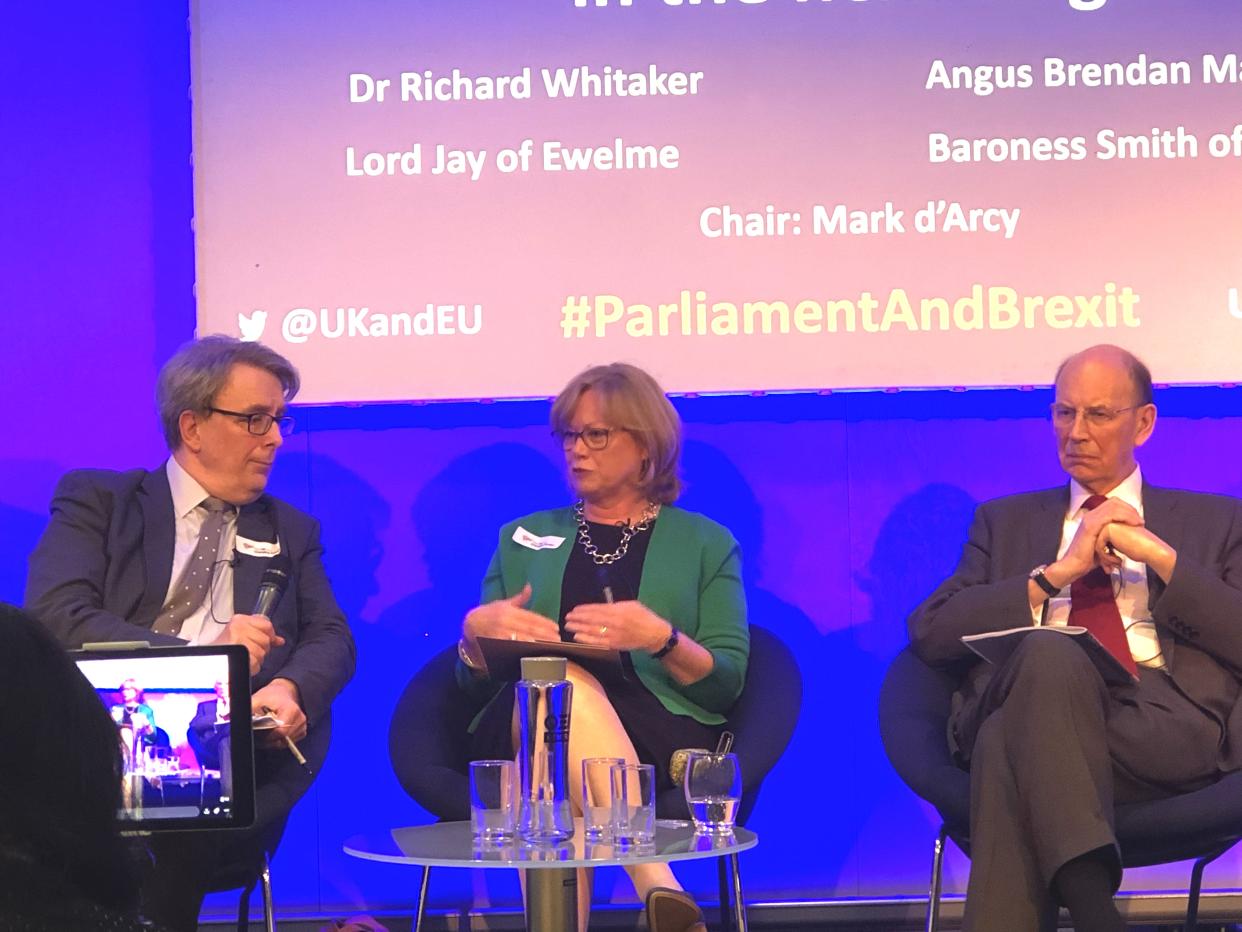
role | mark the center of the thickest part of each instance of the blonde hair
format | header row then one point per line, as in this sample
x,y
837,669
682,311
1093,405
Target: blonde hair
x,y
633,400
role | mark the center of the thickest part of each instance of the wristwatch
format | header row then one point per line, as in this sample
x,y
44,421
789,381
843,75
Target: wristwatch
x,y
673,637
1042,581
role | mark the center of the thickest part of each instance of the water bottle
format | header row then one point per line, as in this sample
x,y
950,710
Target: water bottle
x,y
544,697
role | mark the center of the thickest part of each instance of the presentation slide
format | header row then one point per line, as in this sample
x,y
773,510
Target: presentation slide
x,y
456,199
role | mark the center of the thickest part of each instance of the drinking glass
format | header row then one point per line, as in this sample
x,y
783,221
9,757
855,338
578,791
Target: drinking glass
x,y
491,800
713,791
597,797
633,804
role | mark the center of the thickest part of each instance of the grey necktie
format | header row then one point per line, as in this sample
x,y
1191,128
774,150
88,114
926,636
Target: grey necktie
x,y
199,572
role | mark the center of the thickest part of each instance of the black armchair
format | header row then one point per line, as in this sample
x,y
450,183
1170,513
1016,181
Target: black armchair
x,y
914,714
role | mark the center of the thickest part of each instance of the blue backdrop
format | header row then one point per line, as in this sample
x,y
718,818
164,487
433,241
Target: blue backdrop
x,y
849,507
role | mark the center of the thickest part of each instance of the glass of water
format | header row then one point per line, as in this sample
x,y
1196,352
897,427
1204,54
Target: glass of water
x,y
633,804
597,797
491,800
713,791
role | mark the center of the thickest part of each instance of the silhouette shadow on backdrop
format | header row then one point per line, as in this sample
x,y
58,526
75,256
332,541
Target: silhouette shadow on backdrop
x,y
916,549
456,517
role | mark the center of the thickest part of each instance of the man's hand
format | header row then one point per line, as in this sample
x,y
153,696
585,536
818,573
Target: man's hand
x,y
280,698
255,633
509,619
1137,543
1083,555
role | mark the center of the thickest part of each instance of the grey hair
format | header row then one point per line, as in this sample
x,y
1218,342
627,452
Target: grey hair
x,y
194,376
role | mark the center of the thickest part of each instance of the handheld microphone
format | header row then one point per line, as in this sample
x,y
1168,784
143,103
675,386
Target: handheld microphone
x,y
271,590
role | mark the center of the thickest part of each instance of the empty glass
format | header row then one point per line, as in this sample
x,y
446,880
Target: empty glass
x,y
713,791
491,800
597,797
633,804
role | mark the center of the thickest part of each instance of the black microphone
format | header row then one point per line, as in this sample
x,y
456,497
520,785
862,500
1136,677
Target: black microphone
x,y
271,589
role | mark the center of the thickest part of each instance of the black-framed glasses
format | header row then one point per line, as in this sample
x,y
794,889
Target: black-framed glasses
x,y
260,423
594,438
1095,416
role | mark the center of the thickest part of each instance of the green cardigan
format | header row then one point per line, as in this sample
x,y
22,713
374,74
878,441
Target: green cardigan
x,y
692,577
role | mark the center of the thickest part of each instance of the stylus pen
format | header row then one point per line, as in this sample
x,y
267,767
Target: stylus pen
x,y
293,749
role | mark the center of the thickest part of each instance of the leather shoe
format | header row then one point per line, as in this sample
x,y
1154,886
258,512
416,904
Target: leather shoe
x,y
671,910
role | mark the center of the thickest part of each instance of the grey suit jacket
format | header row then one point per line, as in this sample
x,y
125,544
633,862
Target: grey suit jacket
x,y
1198,615
103,565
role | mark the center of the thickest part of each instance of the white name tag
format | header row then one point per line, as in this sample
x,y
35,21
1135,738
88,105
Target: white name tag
x,y
535,542
257,548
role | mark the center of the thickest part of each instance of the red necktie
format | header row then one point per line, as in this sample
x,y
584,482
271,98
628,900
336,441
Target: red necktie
x,y
1093,607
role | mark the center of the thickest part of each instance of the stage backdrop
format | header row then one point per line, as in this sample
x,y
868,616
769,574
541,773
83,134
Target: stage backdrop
x,y
849,508
469,198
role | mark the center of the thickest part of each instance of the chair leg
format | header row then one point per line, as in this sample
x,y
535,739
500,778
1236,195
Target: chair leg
x,y
933,893
726,900
422,900
739,901
1196,885
269,913
243,906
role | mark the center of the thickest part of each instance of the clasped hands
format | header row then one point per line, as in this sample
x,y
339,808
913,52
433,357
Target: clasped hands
x,y
627,625
1105,536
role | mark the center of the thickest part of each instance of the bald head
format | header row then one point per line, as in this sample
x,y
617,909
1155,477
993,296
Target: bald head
x,y
1110,356
1102,413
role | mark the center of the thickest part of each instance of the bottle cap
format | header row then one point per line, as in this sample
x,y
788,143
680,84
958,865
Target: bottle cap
x,y
544,669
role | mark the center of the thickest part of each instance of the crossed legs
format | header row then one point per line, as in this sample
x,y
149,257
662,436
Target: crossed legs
x,y
596,731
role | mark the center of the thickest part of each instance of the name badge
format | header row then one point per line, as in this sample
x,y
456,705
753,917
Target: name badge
x,y
534,541
258,548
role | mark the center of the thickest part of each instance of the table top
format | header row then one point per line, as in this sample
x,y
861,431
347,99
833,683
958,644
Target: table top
x,y
450,844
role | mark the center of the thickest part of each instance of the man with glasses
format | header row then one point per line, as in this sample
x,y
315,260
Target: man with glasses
x,y
1156,576
175,555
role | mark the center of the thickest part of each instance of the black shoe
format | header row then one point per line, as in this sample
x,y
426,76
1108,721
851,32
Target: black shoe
x,y
673,911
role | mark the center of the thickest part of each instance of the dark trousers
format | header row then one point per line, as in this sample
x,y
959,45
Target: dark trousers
x,y
183,867
1051,748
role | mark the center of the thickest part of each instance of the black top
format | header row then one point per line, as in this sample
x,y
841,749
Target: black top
x,y
585,580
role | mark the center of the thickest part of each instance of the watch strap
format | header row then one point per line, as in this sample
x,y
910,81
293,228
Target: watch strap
x,y
1043,582
673,637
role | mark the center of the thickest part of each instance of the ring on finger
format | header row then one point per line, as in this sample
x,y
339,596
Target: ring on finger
x,y
603,629
512,636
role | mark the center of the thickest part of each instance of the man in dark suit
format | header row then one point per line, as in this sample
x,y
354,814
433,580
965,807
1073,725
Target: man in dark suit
x,y
1156,575
176,555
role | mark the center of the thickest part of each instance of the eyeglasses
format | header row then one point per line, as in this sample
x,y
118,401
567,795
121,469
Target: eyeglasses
x,y
595,438
260,423
1098,416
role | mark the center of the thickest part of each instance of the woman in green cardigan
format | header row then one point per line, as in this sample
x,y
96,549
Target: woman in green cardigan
x,y
623,569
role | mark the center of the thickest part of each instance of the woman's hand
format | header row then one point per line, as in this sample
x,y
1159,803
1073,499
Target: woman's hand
x,y
619,626
508,619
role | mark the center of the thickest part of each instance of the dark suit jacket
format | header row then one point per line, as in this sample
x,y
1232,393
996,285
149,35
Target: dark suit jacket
x,y
1198,615
204,735
103,565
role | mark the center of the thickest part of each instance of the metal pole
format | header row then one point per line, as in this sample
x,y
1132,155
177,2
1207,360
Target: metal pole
x,y
739,901
552,899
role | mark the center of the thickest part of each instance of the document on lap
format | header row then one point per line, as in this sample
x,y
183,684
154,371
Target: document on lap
x,y
503,657
997,646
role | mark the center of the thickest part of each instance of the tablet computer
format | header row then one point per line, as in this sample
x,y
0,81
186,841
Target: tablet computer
x,y
182,717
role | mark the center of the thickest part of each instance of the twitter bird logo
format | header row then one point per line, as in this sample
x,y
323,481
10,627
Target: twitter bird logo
x,y
252,327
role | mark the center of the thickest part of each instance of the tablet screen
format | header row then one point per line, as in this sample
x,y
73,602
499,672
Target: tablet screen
x,y
182,716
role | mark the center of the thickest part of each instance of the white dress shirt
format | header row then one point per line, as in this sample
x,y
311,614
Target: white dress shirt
x,y
209,619
1129,582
